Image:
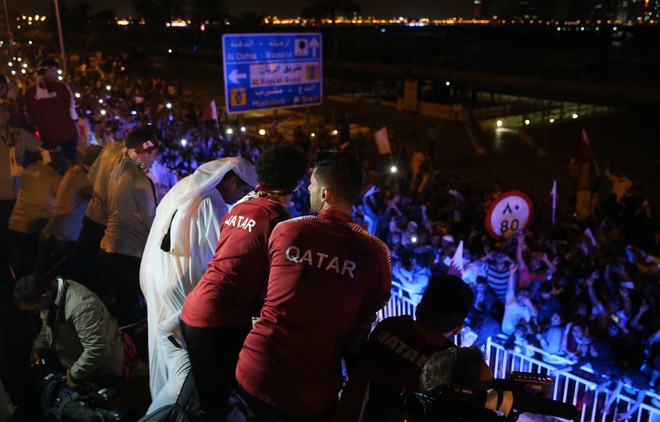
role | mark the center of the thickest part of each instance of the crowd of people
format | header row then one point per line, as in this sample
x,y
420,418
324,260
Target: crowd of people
x,y
125,192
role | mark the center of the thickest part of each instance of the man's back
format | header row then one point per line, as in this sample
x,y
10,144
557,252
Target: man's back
x,y
325,273
131,210
71,201
391,364
36,198
99,174
88,340
228,292
52,110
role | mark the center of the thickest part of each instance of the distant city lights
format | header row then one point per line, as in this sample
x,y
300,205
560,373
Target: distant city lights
x,y
262,132
575,116
168,105
499,123
229,131
381,24
527,122
243,129
393,169
184,142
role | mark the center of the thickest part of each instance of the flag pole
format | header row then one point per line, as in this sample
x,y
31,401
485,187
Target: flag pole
x,y
59,31
9,37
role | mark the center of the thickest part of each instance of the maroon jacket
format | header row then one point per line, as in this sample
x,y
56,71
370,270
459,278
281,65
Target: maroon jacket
x,y
52,111
326,273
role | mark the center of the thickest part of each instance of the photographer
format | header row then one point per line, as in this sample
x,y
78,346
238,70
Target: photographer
x,y
445,370
398,348
76,326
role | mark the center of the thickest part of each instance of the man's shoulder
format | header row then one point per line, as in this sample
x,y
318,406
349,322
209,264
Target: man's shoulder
x,y
367,238
395,322
59,85
79,297
297,223
261,207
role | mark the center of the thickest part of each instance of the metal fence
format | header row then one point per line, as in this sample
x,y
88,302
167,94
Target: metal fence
x,y
582,391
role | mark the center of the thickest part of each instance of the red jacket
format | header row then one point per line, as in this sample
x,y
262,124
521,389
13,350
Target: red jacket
x,y
52,111
326,274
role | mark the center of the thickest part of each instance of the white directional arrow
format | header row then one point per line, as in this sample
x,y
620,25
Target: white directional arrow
x,y
314,45
234,76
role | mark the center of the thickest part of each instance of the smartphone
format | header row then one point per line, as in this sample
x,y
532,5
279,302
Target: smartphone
x,y
615,318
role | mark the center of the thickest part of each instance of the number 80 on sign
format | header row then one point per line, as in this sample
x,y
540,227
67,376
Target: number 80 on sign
x,y
508,214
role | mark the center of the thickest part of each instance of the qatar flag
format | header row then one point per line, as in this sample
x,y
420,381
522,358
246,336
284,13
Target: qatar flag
x,y
456,265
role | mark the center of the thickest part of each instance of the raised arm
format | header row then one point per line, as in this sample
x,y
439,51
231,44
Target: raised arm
x,y
511,286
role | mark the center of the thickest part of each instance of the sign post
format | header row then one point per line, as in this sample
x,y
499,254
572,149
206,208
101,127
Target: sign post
x,y
270,71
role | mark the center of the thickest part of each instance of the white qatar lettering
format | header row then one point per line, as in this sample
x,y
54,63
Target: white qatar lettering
x,y
402,349
318,260
321,256
44,95
348,266
241,222
334,264
307,257
289,253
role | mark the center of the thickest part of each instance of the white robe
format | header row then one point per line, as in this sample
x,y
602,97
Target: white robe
x,y
195,209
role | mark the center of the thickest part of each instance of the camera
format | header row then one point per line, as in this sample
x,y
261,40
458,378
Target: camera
x,y
522,392
90,403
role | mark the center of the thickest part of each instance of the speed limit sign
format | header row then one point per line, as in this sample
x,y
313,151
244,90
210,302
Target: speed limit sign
x,y
508,214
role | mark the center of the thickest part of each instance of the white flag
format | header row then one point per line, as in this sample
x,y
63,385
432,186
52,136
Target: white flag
x,y
382,141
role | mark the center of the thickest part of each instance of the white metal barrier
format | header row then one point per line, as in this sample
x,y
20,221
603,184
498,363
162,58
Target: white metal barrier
x,y
568,387
399,304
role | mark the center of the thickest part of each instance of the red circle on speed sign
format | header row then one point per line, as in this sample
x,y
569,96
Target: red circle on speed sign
x,y
508,214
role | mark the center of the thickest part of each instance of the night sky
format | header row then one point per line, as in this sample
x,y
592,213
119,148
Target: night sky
x,y
287,8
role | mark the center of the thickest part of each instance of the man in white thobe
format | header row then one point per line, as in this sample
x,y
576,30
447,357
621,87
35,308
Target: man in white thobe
x,y
182,241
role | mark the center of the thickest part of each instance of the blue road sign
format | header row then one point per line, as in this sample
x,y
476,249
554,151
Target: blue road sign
x,y
266,71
